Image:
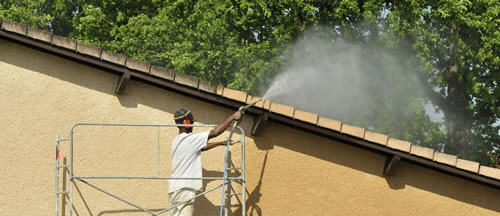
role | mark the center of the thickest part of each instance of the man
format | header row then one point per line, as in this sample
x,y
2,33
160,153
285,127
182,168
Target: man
x,y
186,159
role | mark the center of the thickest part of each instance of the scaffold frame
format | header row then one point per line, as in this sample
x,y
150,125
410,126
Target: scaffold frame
x,y
226,180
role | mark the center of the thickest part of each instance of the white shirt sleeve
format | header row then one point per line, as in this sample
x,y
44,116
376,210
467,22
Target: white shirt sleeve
x,y
200,140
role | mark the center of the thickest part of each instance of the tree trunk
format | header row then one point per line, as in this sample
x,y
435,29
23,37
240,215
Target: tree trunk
x,y
458,118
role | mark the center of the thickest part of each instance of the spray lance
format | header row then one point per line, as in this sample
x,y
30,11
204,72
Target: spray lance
x,y
241,109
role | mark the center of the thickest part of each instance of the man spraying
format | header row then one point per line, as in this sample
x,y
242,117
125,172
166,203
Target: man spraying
x,y
186,159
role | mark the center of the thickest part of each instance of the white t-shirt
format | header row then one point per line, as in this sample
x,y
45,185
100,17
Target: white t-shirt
x,y
186,160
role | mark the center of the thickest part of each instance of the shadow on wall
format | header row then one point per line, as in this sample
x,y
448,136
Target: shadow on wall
x,y
406,173
324,149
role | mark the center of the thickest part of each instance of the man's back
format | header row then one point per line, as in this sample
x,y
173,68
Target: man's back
x,y
186,160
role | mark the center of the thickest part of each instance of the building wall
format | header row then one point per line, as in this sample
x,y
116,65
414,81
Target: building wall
x,y
289,172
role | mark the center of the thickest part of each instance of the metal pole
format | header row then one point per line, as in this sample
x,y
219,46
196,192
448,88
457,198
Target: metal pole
x,y
225,166
116,197
71,172
243,192
158,150
156,177
57,174
228,189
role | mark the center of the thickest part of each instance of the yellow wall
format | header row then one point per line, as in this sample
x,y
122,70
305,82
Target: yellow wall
x,y
289,172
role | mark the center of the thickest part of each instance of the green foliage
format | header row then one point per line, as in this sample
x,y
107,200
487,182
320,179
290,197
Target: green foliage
x,y
454,49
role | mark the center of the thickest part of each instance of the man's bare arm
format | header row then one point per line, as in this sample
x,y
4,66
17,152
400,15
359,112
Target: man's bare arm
x,y
219,129
213,145
220,143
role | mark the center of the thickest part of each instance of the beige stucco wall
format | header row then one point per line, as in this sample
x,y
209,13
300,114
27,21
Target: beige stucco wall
x,y
289,172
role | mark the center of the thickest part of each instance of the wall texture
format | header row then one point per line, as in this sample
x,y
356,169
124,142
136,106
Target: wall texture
x,y
289,172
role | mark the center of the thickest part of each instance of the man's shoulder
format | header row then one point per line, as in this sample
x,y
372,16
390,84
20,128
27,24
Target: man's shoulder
x,y
191,135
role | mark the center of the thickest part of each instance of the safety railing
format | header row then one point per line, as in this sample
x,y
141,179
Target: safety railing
x,y
225,185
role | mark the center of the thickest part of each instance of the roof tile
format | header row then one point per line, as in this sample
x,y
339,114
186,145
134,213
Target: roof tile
x,y
208,87
445,158
399,145
468,165
422,152
14,27
138,65
235,95
220,89
306,116
89,50
330,124
40,35
162,72
113,57
267,105
353,131
282,109
376,138
187,80
64,42
490,172
251,99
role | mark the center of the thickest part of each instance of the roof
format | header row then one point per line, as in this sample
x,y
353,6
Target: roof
x,y
264,111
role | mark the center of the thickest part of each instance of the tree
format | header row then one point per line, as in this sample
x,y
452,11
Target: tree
x,y
242,44
457,42
52,15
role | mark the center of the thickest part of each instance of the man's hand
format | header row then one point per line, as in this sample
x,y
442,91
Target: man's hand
x,y
232,142
238,115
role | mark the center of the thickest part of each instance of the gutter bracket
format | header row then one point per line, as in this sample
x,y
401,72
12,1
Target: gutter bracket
x,y
122,83
258,122
391,163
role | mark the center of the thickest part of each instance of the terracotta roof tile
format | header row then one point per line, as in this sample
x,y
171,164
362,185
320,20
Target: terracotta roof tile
x,y
208,87
89,50
376,138
422,152
162,72
306,116
399,145
14,27
267,105
282,109
490,172
220,89
64,42
468,165
251,99
187,80
235,95
138,65
445,158
330,124
353,131
40,35
113,57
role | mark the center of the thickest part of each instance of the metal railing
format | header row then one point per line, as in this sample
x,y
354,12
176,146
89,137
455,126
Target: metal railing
x,y
226,180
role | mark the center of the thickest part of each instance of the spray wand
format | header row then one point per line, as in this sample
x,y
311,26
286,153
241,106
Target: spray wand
x,y
241,109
